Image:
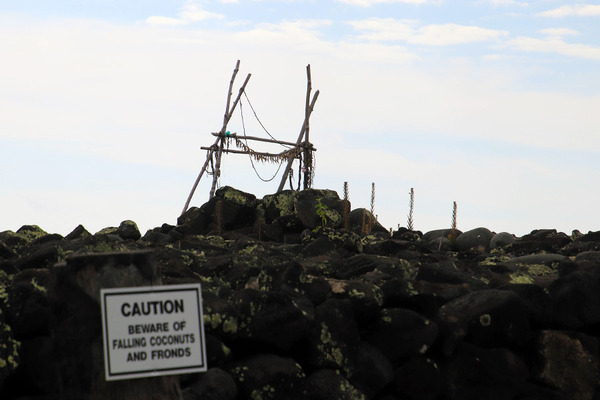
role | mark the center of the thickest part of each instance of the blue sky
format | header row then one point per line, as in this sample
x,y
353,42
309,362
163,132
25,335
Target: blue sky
x,y
489,103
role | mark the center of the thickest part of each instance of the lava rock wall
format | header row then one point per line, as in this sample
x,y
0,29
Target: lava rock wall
x,y
296,307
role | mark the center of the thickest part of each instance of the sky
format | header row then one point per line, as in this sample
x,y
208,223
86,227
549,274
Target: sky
x,y
493,104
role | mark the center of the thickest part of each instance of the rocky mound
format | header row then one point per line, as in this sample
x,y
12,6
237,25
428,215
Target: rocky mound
x,y
305,299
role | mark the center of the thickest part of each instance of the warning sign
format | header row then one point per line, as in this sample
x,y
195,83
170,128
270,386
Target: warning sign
x,y
151,331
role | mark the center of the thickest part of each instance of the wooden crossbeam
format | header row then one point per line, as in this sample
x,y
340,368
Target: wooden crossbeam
x,y
259,139
246,152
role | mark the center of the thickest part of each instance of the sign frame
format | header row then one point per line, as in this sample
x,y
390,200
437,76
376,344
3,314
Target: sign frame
x,y
159,320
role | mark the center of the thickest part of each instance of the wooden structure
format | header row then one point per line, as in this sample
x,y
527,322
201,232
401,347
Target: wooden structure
x,y
302,149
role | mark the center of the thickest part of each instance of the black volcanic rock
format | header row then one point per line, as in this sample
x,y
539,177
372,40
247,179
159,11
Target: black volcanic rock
x,y
327,384
282,204
269,376
372,370
537,303
478,238
78,233
488,318
567,364
359,219
128,230
334,337
473,373
418,378
540,241
576,301
502,239
296,307
260,312
215,384
401,333
9,351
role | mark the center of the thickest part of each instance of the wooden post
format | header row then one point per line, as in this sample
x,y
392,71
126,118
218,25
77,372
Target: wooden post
x,y
229,93
217,171
299,141
228,114
217,145
307,152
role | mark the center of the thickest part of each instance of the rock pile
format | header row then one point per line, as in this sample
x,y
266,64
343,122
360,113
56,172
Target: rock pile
x,y
307,302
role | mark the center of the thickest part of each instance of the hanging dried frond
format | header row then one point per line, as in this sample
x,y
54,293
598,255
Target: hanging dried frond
x,y
265,157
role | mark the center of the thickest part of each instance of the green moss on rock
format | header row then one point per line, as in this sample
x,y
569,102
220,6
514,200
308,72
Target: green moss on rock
x,y
283,202
518,277
109,230
31,232
9,350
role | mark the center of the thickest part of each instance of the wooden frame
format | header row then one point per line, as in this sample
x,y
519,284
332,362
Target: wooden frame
x,y
222,136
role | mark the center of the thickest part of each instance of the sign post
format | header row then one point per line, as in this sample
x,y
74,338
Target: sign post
x,y
153,330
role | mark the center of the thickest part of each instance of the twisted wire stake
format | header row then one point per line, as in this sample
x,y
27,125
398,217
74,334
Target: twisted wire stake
x,y
409,223
346,209
453,230
371,221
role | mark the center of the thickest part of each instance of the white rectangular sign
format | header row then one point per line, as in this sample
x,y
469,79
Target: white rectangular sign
x,y
153,330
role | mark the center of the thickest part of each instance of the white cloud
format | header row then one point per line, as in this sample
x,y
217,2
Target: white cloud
x,y
491,57
554,44
580,10
389,29
190,12
509,3
449,34
557,32
193,12
368,3
304,35
385,29
165,21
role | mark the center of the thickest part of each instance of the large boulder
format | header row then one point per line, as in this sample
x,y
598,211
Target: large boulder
x,y
335,337
540,241
269,377
576,301
9,350
537,303
327,384
418,378
439,239
128,230
363,222
401,333
319,208
215,384
229,209
372,370
474,373
488,318
279,204
568,362
272,318
478,239
501,240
